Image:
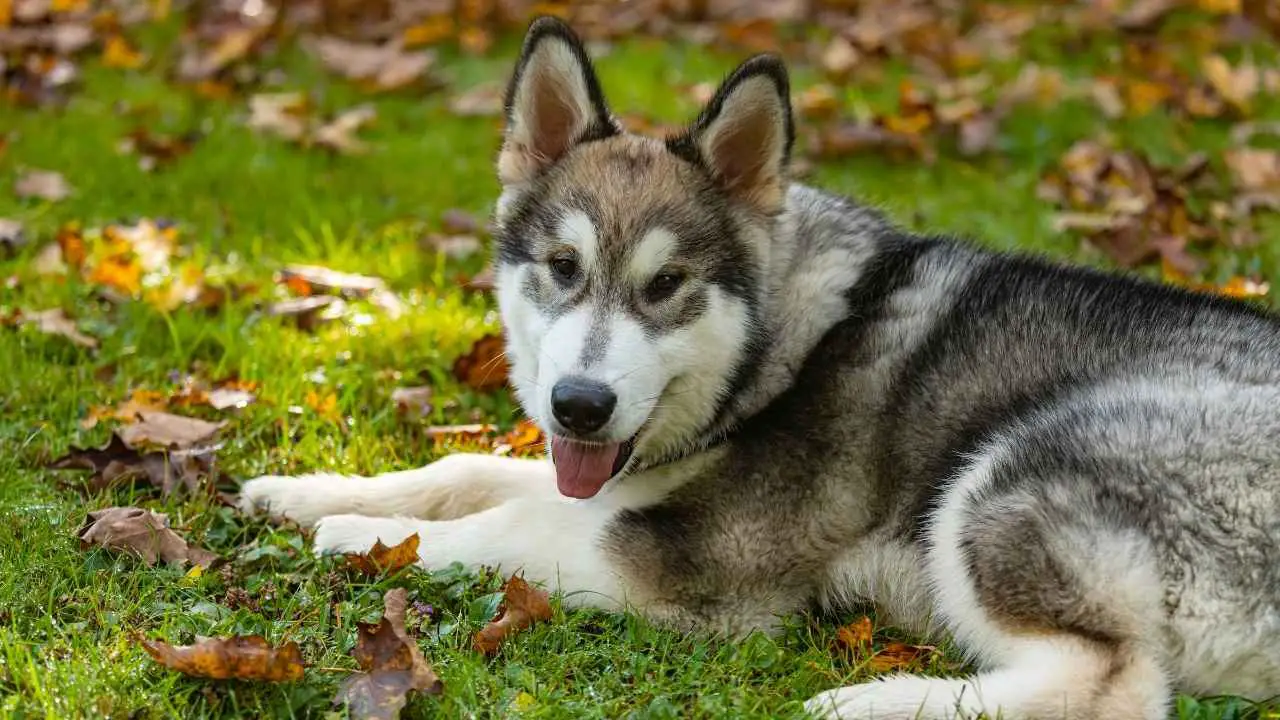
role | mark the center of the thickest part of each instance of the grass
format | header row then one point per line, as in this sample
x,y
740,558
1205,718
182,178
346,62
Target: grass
x,y
249,204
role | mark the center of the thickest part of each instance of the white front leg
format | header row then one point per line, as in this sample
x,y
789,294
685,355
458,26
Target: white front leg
x,y
550,540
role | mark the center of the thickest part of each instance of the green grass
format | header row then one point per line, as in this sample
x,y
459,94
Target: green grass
x,y
250,204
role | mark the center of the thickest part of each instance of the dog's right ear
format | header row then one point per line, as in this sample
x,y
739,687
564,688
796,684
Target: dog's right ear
x,y
553,103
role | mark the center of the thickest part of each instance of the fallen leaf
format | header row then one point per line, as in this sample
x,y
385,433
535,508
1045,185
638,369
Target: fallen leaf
x,y
143,533
162,429
117,464
839,58
392,666
522,606
384,560
129,409
1254,169
117,52
479,101
857,635
308,312
1237,85
280,114
898,655
42,184
484,367
524,440
155,151
413,402
460,433
317,279
379,67
54,321
11,236
339,133
240,657
1145,14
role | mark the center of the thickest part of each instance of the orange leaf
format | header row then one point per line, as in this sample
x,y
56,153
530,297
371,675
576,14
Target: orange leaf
x,y
522,606
238,657
897,655
382,559
856,635
485,366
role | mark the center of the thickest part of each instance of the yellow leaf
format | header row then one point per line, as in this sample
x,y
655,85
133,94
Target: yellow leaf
x,y
524,701
118,53
66,6
428,32
1220,7
6,13
193,575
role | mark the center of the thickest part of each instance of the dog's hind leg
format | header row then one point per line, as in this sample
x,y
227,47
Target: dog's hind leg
x,y
451,487
1047,586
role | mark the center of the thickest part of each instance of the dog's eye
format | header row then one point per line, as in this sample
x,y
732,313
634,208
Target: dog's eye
x,y
663,286
564,266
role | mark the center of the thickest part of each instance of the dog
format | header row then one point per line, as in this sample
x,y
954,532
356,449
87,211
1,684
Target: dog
x,y
760,396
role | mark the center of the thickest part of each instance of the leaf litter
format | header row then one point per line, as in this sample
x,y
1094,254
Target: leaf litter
x,y
522,606
391,665
143,533
240,657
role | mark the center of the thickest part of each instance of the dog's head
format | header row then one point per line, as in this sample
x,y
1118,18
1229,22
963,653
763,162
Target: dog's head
x,y
630,269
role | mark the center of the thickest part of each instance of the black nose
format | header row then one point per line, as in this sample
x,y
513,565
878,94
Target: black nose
x,y
582,405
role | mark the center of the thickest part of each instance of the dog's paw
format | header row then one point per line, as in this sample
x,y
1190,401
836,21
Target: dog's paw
x,y
904,697
304,498
337,534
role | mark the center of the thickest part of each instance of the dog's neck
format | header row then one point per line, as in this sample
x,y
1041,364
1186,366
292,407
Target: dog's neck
x,y
818,251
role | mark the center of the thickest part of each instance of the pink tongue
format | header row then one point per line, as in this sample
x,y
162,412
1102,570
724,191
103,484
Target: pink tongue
x,y
581,469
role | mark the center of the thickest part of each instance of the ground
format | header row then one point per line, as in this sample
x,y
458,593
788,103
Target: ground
x,y
247,204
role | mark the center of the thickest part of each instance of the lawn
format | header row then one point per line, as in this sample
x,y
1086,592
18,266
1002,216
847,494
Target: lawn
x,y
244,204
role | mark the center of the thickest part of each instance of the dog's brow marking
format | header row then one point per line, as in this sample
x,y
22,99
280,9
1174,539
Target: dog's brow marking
x,y
577,230
651,253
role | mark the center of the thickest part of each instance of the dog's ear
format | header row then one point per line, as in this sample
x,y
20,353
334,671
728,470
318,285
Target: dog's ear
x,y
744,135
553,103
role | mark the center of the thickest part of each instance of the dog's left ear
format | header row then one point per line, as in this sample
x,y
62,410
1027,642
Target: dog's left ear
x,y
553,103
744,135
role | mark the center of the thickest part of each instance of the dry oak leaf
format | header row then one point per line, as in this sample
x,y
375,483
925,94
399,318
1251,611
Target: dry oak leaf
x,y
382,560
379,67
163,429
392,665
522,606
55,322
280,114
240,657
857,635
128,410
143,533
413,401
117,464
339,133
479,101
484,367
898,655
524,440
43,184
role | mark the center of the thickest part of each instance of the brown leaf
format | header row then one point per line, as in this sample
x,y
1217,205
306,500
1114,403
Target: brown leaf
x,y
485,366
897,655
383,560
143,533
474,433
1253,169
379,67
155,151
54,321
116,464
308,312
1238,85
857,635
163,429
1145,14
42,184
316,279
413,402
339,133
11,236
280,114
117,52
240,657
522,606
524,440
392,665
839,58
479,101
